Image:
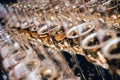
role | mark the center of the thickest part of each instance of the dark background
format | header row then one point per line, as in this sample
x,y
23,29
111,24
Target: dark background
x,y
7,1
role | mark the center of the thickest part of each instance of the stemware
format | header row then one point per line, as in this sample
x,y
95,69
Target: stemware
x,y
82,29
93,48
94,42
111,53
70,46
7,51
22,69
13,60
4,36
58,58
10,45
108,7
50,71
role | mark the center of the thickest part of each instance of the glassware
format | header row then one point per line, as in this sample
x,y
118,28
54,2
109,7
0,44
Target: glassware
x,y
70,48
9,48
58,58
94,42
50,69
3,37
111,53
13,60
82,29
22,69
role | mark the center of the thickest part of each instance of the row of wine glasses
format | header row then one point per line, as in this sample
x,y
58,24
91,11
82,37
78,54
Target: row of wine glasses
x,y
21,61
66,27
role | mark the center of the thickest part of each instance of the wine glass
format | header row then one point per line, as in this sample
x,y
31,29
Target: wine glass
x,y
58,58
93,44
22,69
111,53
